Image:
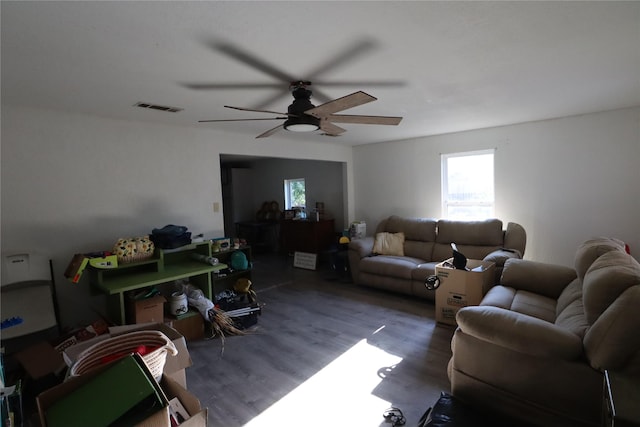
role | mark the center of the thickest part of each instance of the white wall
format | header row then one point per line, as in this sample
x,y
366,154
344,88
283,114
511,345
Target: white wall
x,y
76,183
564,180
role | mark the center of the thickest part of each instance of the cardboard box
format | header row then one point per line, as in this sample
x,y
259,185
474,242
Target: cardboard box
x,y
146,310
40,360
47,357
88,400
460,288
189,325
197,415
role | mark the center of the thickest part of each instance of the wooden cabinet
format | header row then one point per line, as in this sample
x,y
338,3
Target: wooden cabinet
x,y
306,235
167,266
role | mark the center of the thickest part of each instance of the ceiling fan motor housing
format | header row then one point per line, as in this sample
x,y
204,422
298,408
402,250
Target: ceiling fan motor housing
x,y
298,120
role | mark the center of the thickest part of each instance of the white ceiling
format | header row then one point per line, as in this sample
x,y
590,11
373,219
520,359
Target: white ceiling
x,y
450,66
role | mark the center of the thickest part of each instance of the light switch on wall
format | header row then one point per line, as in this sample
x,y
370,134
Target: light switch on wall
x,y
216,207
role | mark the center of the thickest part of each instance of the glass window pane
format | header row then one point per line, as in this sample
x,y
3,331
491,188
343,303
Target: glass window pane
x,y
468,185
294,193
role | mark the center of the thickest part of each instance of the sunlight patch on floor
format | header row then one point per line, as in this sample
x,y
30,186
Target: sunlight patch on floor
x,y
338,395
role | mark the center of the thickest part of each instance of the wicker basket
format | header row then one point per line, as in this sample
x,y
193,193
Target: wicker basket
x,y
134,249
126,344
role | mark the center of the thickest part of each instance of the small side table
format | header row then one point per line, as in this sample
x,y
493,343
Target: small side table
x,y
621,401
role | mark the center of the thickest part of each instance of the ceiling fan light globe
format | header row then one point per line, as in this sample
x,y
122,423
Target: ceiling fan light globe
x,y
301,127
302,124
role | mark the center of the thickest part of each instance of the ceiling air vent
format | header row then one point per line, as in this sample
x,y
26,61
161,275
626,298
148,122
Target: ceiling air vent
x,y
158,107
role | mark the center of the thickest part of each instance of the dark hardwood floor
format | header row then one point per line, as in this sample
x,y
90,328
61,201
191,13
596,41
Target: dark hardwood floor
x,y
325,352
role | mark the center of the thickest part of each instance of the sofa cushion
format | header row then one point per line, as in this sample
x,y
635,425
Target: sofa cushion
x,y
534,276
609,276
422,271
519,332
476,233
572,318
475,239
443,251
613,342
534,305
523,302
591,250
423,229
393,266
418,249
389,244
570,310
499,296
571,293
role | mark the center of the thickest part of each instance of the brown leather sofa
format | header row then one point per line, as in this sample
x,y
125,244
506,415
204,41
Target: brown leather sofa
x,y
538,344
427,242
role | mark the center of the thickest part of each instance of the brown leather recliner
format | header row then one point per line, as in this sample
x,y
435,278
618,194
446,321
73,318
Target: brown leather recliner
x,y
537,346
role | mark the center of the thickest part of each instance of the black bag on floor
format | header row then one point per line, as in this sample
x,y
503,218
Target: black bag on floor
x,y
451,412
242,309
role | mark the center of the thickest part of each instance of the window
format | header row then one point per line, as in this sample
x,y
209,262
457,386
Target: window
x,y
467,185
294,193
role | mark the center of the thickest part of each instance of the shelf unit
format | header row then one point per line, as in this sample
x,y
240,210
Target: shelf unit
x,y
167,266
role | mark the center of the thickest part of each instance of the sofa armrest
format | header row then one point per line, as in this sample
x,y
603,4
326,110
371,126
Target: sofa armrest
x,y
519,332
515,237
500,256
363,247
541,278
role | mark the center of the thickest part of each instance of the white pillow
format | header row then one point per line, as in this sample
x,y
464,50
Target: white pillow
x,y
389,244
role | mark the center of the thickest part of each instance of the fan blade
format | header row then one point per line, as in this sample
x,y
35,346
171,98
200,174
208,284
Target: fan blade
x,y
347,55
212,86
340,104
331,129
252,61
256,111
365,120
270,131
242,120
377,83
317,94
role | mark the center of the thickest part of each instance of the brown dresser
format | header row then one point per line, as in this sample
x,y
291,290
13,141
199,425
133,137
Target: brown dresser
x,y
306,235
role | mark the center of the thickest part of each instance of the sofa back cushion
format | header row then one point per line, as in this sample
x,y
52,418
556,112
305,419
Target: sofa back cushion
x,y
607,278
423,229
549,280
419,234
613,341
570,310
475,239
591,250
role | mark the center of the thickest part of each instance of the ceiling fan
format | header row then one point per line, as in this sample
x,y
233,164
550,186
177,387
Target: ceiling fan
x,y
303,116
